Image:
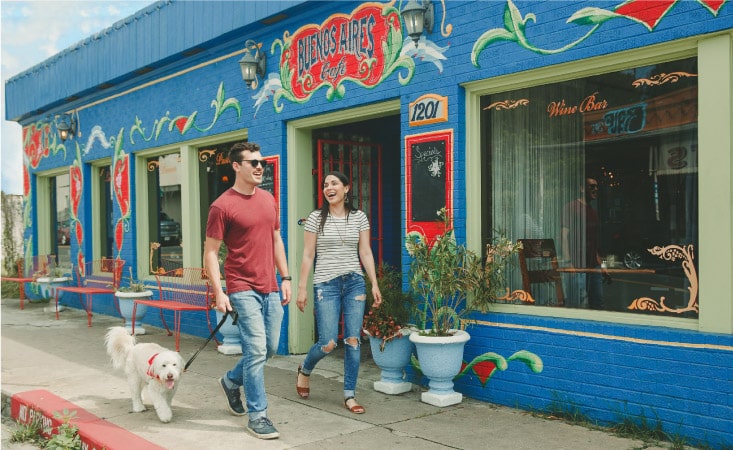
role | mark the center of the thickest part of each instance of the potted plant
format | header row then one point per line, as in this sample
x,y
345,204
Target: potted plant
x,y
126,296
388,329
450,282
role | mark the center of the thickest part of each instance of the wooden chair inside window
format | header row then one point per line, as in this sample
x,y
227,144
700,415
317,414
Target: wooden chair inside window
x,y
27,270
101,276
180,290
540,255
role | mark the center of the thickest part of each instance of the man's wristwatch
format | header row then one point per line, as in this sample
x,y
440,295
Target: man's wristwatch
x,y
288,278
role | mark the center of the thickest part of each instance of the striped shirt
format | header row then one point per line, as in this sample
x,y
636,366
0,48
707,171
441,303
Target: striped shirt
x,y
337,247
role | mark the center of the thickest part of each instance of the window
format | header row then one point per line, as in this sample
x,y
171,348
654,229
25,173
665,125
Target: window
x,y
61,205
165,174
216,176
606,168
104,220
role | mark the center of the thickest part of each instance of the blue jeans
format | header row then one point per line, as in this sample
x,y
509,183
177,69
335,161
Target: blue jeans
x,y
260,316
345,293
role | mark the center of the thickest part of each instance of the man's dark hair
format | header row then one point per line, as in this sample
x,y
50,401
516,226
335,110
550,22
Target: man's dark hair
x,y
235,153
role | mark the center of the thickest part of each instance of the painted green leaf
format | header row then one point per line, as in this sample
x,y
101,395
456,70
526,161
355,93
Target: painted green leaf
x,y
488,38
530,359
592,16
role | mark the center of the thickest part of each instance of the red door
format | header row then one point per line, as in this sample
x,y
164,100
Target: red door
x,y
361,162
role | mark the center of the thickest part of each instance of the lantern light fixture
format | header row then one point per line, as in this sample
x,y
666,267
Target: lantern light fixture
x,y
418,17
66,126
253,63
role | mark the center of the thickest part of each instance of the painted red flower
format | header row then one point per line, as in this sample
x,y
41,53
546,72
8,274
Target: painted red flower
x,y
34,148
181,124
119,234
26,182
79,233
650,12
77,184
484,370
122,184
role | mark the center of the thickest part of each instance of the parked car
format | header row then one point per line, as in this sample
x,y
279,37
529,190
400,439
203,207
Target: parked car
x,y
170,230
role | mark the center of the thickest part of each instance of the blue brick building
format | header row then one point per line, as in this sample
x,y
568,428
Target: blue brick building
x,y
599,131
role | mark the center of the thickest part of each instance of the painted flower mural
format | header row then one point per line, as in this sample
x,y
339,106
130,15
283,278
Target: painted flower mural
x,y
645,12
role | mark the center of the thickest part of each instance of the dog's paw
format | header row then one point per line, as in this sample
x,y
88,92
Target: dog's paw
x,y
165,416
137,409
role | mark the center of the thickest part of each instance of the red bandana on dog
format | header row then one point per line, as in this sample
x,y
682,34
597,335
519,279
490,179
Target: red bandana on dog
x,y
150,371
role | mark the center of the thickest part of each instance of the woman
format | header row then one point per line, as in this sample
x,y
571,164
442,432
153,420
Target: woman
x,y
339,235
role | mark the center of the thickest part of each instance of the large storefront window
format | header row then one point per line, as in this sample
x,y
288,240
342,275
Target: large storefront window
x,y
61,206
164,197
216,176
601,174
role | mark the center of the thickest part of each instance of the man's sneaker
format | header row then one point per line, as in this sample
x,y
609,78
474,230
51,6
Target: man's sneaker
x,y
234,399
263,428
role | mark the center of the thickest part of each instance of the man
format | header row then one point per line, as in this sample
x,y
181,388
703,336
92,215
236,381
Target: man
x,y
245,219
580,245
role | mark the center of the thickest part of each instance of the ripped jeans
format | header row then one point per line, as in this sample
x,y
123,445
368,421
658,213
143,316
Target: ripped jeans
x,y
345,293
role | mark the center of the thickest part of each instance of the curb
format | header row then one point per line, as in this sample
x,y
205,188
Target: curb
x,y
95,433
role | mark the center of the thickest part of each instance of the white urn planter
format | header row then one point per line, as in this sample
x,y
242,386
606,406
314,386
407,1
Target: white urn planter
x,y
440,360
47,287
126,302
392,362
231,343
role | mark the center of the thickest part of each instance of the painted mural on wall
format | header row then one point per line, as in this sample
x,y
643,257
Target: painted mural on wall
x,y
644,12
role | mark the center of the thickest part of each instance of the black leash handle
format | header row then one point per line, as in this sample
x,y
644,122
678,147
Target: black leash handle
x,y
235,317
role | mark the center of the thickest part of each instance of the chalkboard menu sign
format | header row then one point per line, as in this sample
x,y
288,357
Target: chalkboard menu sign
x,y
429,173
271,178
428,179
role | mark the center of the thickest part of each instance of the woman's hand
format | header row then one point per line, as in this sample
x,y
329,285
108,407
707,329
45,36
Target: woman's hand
x,y
302,300
377,294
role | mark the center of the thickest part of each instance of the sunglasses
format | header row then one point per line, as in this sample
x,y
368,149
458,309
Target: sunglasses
x,y
254,162
592,187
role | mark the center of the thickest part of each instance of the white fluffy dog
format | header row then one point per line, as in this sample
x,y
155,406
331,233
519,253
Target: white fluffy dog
x,y
146,364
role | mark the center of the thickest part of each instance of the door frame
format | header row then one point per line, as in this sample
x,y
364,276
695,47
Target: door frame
x,y
301,326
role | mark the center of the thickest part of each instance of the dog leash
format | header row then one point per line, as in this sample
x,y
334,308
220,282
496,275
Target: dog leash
x,y
234,315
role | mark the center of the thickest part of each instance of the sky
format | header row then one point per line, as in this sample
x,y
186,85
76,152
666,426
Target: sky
x,y
33,31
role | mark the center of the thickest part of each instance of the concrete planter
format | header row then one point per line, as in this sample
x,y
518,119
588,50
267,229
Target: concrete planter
x,y
126,302
440,360
392,361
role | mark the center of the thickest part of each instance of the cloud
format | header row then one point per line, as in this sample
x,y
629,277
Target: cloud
x,y
33,31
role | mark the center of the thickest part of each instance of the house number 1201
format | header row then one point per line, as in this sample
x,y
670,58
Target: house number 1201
x,y
429,108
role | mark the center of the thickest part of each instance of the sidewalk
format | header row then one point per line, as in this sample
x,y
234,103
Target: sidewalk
x,y
68,359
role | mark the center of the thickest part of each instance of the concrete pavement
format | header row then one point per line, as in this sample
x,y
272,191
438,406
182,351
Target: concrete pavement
x,y
68,359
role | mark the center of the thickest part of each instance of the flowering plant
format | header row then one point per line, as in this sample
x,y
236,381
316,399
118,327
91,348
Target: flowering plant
x,y
389,320
444,274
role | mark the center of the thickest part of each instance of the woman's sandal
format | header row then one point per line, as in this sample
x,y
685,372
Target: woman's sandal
x,y
356,409
303,392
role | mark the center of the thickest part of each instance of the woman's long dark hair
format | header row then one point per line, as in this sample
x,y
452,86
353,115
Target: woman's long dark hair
x,y
347,204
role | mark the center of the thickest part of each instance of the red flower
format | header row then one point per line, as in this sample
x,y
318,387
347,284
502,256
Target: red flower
x,y
26,182
483,370
650,12
122,184
119,234
77,184
79,233
181,124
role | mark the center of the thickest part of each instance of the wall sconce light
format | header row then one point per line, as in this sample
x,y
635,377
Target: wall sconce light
x,y
418,17
66,126
253,63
